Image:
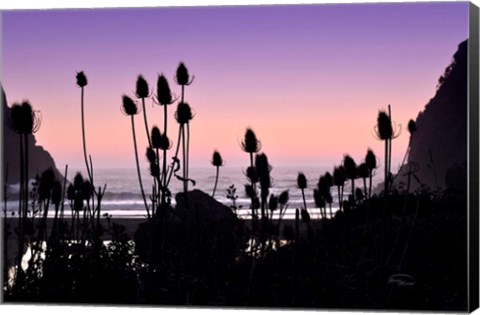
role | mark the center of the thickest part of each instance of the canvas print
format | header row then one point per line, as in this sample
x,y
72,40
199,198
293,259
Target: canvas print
x,y
273,156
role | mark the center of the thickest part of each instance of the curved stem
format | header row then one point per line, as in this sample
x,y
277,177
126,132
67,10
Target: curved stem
x,y
187,166
216,181
84,138
146,122
138,168
304,201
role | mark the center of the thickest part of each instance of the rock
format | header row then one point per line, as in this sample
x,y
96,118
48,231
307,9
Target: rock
x,y
198,236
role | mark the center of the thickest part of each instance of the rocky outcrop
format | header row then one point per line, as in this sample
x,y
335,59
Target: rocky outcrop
x,y
200,236
39,158
440,144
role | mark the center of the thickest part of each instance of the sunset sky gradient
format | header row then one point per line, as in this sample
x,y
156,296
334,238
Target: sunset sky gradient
x,y
308,79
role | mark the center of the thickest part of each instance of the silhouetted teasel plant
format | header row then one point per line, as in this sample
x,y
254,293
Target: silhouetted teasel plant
x,y
302,185
371,162
99,193
350,171
142,91
339,178
386,131
217,162
251,145
130,108
24,121
412,128
184,115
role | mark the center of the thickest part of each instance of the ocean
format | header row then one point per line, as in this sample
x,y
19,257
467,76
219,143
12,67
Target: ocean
x,y
123,197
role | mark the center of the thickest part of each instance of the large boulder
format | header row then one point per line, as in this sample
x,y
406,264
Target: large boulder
x,y
199,236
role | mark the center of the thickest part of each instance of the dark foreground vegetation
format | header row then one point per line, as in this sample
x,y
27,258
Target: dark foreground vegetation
x,y
402,248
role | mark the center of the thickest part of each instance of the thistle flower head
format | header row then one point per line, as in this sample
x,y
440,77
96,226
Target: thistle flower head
x,y
78,181
301,181
384,126
305,216
47,179
56,193
273,203
217,159
363,170
350,167
262,166
151,156
184,113
164,95
318,198
154,169
129,107
328,179
283,198
142,90
250,143
78,203
183,78
371,160
155,136
339,176
412,126
87,190
81,79
23,119
322,186
70,192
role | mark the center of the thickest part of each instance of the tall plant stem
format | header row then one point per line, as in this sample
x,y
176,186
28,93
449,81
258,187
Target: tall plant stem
x,y
21,218
304,201
184,163
26,174
187,166
138,168
84,138
216,181
146,122
386,168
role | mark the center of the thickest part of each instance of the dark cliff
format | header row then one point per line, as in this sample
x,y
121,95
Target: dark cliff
x,y
440,144
39,158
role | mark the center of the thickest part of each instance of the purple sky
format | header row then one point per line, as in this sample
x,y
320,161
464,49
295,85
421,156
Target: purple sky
x,y
309,79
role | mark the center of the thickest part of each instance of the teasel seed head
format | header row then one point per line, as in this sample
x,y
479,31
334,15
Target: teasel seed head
x,y
350,167
70,192
250,143
363,170
339,176
184,113
273,203
371,160
129,107
164,95
283,198
151,156
301,181
78,181
217,159
57,193
384,126
183,78
412,126
81,79
23,119
142,90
